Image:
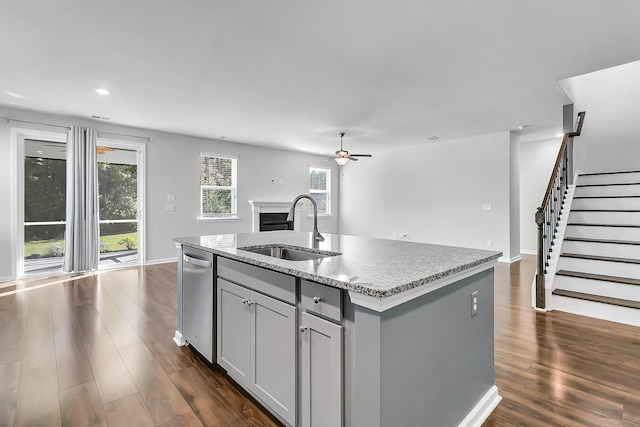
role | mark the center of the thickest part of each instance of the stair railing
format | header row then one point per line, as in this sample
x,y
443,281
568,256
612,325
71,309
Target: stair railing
x,y
548,214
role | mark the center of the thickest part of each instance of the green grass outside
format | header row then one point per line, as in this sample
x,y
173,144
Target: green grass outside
x,y
107,244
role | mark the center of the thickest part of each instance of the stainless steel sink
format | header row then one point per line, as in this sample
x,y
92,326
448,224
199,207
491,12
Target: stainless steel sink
x,y
290,254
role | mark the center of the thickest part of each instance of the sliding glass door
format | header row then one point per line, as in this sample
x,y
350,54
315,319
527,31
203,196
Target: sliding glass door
x,y
42,201
118,198
45,179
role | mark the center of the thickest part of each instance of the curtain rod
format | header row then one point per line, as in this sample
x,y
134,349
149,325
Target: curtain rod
x,y
34,123
68,128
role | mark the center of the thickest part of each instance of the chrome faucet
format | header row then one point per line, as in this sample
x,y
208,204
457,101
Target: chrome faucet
x,y
317,237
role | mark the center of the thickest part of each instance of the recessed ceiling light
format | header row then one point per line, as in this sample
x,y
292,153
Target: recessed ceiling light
x,y
100,117
559,135
102,91
523,127
433,138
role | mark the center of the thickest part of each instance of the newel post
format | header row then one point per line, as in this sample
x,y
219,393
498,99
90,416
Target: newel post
x,y
540,291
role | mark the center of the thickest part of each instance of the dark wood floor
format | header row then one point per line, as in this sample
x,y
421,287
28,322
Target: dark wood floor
x,y
96,349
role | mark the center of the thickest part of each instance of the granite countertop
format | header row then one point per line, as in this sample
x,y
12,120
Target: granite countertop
x,y
374,267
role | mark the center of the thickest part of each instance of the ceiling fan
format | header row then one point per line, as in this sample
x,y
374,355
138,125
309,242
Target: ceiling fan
x,y
342,156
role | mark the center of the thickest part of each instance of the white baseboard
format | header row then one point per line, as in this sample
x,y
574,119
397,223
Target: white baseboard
x,y
483,409
510,260
6,279
528,252
179,339
160,261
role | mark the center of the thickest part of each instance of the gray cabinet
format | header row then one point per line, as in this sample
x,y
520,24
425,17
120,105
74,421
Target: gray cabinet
x,y
257,345
321,372
234,326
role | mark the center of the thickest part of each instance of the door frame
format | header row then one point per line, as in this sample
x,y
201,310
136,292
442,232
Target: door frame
x,y
18,136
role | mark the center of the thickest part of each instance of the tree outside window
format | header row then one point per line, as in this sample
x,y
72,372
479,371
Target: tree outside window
x,y
218,186
320,188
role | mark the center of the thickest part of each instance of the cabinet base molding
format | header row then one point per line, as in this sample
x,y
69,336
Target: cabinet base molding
x,y
179,339
483,409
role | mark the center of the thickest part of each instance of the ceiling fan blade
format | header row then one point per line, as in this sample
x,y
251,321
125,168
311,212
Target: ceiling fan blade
x,y
352,158
361,155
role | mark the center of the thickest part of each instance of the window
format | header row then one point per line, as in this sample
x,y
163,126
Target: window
x,y
218,186
320,188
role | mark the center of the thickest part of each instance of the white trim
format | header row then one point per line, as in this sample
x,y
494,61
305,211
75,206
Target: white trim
x,y
6,279
164,260
218,218
510,260
382,304
528,252
179,339
483,409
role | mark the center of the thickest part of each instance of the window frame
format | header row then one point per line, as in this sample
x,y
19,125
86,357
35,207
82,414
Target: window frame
x,y
233,187
327,191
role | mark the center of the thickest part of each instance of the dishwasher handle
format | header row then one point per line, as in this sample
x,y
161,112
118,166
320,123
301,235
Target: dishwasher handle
x,y
196,261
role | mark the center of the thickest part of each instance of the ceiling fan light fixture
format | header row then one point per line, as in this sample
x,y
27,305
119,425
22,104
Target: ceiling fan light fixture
x,y
342,160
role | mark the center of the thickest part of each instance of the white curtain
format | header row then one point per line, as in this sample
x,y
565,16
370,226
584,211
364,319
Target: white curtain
x,y
82,246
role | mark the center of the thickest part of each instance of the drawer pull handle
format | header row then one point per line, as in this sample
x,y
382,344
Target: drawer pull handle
x,y
303,329
244,301
317,299
249,303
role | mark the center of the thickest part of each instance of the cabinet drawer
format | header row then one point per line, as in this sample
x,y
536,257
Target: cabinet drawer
x,y
321,299
268,282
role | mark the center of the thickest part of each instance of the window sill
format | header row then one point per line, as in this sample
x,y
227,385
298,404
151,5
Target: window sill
x,y
218,219
321,216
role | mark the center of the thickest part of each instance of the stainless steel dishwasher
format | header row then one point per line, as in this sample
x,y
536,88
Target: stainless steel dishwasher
x,y
197,300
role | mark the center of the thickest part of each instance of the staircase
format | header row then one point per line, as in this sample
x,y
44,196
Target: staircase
x,y
598,271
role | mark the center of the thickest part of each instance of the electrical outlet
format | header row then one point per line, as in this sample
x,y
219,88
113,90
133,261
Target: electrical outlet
x,y
489,243
474,303
169,207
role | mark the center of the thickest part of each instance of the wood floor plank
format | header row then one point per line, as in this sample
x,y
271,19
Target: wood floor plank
x,y
39,348
111,375
9,381
117,325
129,411
160,396
186,420
201,395
80,406
38,403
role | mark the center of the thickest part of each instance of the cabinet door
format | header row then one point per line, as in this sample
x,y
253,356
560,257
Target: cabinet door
x,y
234,323
321,372
273,350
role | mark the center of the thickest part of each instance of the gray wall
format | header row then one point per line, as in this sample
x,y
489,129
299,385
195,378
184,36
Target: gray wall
x,y
172,167
611,98
434,193
514,196
537,160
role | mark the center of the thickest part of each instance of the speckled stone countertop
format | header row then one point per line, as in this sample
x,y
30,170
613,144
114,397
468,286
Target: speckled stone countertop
x,y
374,267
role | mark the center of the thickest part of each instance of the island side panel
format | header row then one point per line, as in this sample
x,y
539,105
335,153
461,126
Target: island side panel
x,y
429,362
447,355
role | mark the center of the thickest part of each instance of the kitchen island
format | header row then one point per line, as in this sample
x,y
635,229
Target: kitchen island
x,y
371,332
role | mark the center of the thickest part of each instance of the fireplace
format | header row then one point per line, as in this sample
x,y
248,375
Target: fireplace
x,y
267,216
271,221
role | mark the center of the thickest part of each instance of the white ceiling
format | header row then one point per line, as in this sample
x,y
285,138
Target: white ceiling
x,y
294,73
